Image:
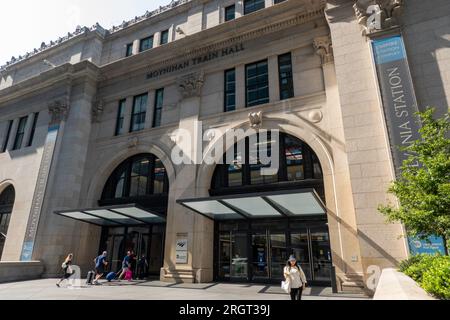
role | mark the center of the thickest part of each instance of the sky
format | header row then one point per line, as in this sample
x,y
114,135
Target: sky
x,y
25,24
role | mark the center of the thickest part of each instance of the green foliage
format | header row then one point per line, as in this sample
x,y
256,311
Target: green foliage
x,y
431,272
423,188
436,280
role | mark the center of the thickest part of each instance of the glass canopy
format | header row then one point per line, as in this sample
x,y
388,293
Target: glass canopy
x,y
292,203
115,216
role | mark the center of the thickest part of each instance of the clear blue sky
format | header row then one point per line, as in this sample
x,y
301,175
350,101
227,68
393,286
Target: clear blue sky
x,y
25,24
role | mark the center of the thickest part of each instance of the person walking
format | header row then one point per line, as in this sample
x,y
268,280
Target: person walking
x,y
296,278
100,264
126,265
67,269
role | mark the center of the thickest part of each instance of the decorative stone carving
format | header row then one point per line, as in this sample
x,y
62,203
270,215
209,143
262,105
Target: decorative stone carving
x,y
97,110
256,119
191,85
385,15
324,49
58,110
315,116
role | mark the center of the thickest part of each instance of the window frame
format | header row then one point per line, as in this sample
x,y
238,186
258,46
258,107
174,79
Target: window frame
x,y
20,133
258,87
225,14
227,92
253,5
289,88
141,42
161,43
142,114
33,129
157,108
128,47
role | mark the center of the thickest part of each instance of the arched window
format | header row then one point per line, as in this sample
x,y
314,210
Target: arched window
x,y
139,176
299,165
7,198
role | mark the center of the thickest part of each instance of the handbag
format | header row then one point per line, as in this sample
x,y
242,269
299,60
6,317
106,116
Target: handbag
x,y
286,286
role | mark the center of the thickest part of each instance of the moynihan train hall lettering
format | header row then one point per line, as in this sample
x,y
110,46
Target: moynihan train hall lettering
x,y
221,53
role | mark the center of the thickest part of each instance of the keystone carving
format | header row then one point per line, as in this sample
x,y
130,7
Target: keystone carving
x,y
256,119
378,15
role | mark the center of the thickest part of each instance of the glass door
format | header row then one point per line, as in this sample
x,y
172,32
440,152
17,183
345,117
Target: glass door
x,y
278,255
260,265
239,257
321,254
225,255
300,249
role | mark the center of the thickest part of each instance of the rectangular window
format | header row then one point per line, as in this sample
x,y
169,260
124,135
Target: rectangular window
x,y
285,72
279,1
146,44
139,113
120,117
230,13
257,83
20,133
230,90
8,133
164,37
129,50
33,130
253,5
159,100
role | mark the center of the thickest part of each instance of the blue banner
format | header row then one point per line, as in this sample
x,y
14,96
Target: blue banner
x,y
432,246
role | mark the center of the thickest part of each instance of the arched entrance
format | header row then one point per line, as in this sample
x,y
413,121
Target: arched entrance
x,y
7,198
142,180
262,219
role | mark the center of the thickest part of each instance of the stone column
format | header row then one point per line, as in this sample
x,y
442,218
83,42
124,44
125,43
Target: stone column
x,y
181,222
341,215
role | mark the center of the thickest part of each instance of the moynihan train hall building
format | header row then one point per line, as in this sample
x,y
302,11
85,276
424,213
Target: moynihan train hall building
x,y
87,126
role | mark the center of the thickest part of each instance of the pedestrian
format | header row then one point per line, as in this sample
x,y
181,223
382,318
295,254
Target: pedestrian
x,y
100,264
133,262
67,269
142,267
126,265
296,278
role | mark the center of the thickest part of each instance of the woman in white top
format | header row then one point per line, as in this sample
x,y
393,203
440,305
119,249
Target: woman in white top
x,y
296,277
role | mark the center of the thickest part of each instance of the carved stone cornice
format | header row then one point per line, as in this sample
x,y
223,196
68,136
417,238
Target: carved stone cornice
x,y
97,110
378,15
58,111
191,85
324,49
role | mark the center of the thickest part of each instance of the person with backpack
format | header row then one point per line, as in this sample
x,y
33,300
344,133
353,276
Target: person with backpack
x,y
67,269
296,278
100,264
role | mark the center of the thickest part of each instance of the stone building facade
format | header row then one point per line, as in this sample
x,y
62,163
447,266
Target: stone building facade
x,y
78,113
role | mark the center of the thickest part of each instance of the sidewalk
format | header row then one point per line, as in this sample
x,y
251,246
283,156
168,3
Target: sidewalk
x,y
155,290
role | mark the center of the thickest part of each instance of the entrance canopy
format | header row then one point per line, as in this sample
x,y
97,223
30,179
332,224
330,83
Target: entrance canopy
x,y
293,203
115,216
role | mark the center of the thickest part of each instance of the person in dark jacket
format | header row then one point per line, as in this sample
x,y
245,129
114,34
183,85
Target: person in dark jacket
x,y
142,267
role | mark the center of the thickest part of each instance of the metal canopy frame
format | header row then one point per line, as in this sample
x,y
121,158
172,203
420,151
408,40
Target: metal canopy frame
x,y
284,213
113,209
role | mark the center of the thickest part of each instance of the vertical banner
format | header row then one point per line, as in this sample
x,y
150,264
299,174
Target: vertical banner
x,y
39,193
399,104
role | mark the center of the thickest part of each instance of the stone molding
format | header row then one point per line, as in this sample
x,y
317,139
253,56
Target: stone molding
x,y
324,48
97,110
388,14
